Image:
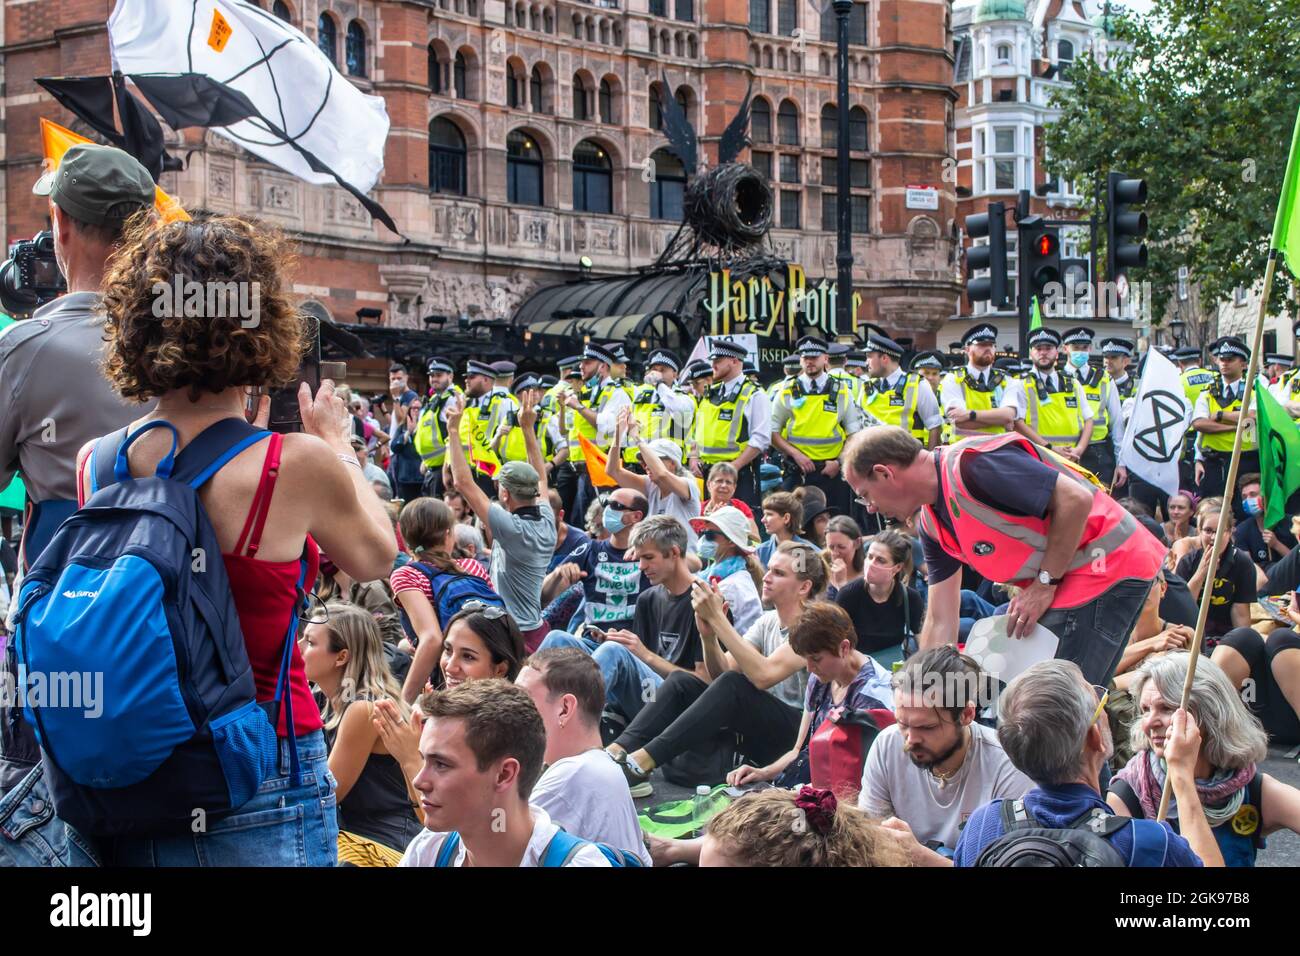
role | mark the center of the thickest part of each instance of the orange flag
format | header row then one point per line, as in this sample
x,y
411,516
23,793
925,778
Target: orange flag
x,y
596,461
57,139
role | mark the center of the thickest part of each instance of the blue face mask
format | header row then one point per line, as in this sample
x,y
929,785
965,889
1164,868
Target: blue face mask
x,y
707,549
1078,359
612,520
593,381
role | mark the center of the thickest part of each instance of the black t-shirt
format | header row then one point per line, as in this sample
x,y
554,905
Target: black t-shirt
x,y
879,626
1234,584
666,625
1250,539
1009,479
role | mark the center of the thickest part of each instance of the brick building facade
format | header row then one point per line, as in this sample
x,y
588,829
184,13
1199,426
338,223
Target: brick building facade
x,y
523,138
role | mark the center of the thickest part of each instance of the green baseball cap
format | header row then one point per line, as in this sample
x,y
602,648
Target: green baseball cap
x,y
98,184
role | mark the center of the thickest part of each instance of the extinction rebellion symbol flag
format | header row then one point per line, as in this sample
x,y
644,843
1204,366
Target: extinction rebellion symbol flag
x,y
1153,438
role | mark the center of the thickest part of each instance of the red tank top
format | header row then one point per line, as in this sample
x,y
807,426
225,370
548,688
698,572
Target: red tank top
x,y
266,595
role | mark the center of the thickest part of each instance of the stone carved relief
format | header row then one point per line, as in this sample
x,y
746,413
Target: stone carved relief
x,y
221,182
528,229
922,236
496,298
599,237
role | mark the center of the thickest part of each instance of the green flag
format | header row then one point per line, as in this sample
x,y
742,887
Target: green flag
x,y
1279,454
1286,228
1035,317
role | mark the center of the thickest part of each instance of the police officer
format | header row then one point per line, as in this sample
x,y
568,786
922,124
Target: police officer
x,y
895,397
837,367
659,408
1275,366
929,365
855,363
976,398
1196,379
790,370
566,477
594,414
508,442
811,419
1055,410
1287,387
1118,354
733,422
480,380
1215,418
431,433
618,370
1104,400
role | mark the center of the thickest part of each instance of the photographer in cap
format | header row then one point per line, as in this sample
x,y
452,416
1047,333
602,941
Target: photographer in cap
x,y
55,398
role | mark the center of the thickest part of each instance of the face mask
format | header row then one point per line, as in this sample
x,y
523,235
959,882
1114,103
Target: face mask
x,y
707,549
1252,506
612,520
1078,359
593,381
879,574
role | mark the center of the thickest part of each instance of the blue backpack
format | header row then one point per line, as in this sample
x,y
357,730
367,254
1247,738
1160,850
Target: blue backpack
x,y
559,851
451,592
132,590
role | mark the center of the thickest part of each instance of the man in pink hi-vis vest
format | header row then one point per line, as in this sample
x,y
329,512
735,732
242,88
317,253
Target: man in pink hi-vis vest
x,y
1017,515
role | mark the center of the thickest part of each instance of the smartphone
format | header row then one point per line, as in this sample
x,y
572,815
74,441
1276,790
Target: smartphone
x,y
285,414
596,634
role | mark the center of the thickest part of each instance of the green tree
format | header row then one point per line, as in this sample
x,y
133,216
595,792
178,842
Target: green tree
x,y
1198,98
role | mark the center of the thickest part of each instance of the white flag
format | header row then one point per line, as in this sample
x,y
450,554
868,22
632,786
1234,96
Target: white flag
x,y
1153,437
299,94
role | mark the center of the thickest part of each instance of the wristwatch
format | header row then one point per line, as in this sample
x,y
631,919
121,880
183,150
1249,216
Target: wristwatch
x,y
972,415
1218,416
1045,578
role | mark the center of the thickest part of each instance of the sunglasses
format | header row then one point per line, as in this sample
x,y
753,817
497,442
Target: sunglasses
x,y
490,611
618,505
312,611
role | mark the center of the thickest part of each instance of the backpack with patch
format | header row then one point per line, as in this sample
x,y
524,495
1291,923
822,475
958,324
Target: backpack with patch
x,y
132,591
1083,843
452,590
559,852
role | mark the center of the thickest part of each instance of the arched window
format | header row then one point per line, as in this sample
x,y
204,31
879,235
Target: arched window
x,y
548,21
535,91
281,10
534,19
1064,51
656,111
830,126
787,124
760,122
767,58
606,102
577,27
458,77
593,179
858,128
446,158
356,49
327,38
523,170
684,101
604,32
435,72
521,17
581,109
1004,52
825,64
782,63
514,87
667,186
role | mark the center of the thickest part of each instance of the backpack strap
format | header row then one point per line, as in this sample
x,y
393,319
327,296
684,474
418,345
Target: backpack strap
x,y
447,852
562,848
282,692
256,521
102,456
1015,816
1126,793
212,448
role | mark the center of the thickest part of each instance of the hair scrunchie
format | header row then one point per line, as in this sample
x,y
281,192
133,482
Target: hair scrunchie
x,y
818,807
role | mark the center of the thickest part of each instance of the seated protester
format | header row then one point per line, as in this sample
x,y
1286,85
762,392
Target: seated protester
x,y
567,536
782,519
662,638
459,506
753,685
937,765
593,522
427,527
885,610
559,614
728,555
610,578
756,831
840,678
1180,509
468,545
1265,545
847,554
1234,581
581,789
483,745
344,659
669,489
722,488
1241,804
1051,727
1271,665
520,520
816,514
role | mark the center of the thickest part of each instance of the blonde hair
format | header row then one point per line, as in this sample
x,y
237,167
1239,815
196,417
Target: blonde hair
x,y
366,675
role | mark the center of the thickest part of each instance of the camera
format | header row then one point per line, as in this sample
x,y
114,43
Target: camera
x,y
31,277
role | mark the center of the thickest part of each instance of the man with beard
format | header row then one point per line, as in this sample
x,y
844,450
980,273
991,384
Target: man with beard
x,y
978,399
1052,405
936,766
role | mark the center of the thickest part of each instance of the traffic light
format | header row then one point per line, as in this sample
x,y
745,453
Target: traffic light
x,y
1040,257
1124,225
993,257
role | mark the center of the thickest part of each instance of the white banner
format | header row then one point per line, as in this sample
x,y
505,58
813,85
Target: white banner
x,y
749,340
1153,437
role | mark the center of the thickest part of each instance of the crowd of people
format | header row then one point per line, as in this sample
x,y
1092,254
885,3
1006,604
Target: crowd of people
x,y
514,604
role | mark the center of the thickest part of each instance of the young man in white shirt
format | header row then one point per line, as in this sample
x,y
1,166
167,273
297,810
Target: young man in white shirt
x,y
483,744
582,789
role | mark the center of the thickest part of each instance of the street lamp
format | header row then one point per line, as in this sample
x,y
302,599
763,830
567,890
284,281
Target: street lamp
x,y
1177,326
843,212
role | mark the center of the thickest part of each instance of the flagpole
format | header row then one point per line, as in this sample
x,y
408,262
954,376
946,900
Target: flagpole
x,y
1230,482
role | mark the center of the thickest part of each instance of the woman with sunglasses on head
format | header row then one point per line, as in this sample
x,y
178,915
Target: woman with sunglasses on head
x,y
724,547
269,505
886,611
344,658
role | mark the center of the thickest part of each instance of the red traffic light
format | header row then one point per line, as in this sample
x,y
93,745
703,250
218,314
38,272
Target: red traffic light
x,y
1046,244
